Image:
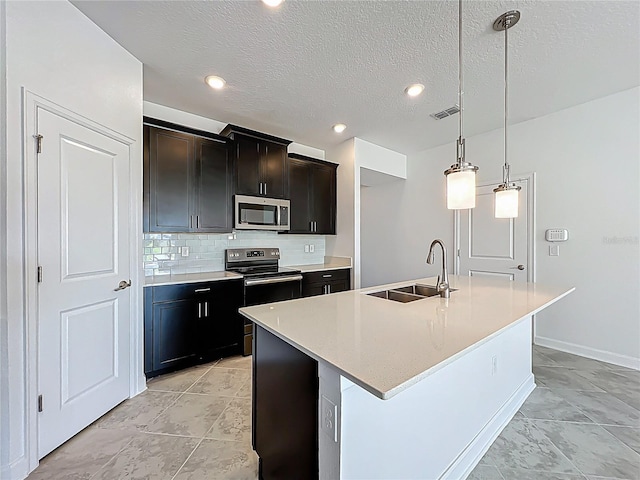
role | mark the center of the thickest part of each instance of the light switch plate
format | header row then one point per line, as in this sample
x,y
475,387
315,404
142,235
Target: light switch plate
x,y
312,248
554,250
306,249
184,251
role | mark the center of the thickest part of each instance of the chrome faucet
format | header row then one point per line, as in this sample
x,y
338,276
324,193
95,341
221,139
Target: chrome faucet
x,y
442,284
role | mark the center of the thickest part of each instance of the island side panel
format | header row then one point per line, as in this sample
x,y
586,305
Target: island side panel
x,y
285,409
441,426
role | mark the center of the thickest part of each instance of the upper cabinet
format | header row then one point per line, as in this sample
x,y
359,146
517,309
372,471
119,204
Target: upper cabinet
x,y
261,163
188,180
312,191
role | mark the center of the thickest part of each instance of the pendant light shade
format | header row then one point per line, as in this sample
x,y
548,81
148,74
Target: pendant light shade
x,y
461,176
461,189
506,194
506,202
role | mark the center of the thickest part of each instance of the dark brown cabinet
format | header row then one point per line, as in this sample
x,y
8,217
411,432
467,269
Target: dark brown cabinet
x,y
188,180
261,163
186,324
326,282
312,192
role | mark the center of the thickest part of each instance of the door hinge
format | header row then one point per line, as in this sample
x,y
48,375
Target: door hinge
x,y
39,403
458,252
38,143
39,274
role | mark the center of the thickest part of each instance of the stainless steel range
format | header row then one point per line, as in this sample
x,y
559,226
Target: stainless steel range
x,y
264,280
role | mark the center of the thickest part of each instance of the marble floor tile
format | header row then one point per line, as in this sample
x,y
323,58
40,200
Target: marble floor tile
x,y
245,391
538,403
601,407
148,456
560,377
576,362
485,472
221,381
83,455
178,381
510,474
236,362
220,460
191,415
521,446
542,360
628,435
234,423
139,411
625,386
592,449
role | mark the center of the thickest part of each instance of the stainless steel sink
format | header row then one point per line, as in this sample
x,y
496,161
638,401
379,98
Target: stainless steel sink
x,y
407,294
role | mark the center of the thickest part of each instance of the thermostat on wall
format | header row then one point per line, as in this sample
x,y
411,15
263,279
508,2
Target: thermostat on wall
x,y
556,235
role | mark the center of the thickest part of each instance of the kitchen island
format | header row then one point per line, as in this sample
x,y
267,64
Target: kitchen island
x,y
353,386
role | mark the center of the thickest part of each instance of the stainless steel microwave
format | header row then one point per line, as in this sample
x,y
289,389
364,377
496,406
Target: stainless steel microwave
x,y
260,213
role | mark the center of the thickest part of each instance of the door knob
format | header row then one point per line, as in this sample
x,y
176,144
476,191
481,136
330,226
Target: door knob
x,y
122,285
520,267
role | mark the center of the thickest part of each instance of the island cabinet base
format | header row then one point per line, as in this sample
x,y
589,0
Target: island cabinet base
x,y
285,409
438,428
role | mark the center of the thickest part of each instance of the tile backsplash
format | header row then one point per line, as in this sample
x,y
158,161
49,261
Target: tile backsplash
x,y
163,251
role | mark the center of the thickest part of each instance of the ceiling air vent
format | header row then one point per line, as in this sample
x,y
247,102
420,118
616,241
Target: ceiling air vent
x,y
446,112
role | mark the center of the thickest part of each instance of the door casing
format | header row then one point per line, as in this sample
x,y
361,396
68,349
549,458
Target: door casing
x,y
30,103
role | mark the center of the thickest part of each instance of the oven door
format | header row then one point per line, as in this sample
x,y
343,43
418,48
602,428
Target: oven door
x,y
266,290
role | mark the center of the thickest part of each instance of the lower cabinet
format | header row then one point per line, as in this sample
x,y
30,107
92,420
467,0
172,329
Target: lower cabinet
x,y
326,282
190,323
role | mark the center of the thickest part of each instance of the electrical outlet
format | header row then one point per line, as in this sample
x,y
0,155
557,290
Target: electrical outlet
x,y
554,250
312,248
494,365
329,412
184,251
306,249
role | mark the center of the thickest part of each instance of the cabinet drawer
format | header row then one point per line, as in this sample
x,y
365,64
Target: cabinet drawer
x,y
327,276
183,291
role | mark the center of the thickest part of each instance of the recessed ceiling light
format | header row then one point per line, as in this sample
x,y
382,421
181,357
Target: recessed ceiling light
x,y
339,127
414,90
272,3
215,82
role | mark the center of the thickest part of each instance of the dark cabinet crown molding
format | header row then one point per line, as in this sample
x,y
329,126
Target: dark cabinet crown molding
x,y
299,156
230,129
154,122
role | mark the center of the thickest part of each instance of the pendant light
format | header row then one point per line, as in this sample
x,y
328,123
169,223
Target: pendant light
x,y
506,194
461,176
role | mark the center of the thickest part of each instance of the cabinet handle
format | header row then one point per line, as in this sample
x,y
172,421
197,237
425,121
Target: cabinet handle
x,y
190,221
206,309
200,290
311,226
260,184
265,188
329,288
199,310
197,221
327,276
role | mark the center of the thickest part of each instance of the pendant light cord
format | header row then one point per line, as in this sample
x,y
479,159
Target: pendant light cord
x,y
460,72
505,173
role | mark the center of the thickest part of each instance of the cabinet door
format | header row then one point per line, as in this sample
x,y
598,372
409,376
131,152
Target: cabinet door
x,y
300,196
340,285
170,173
323,183
248,177
175,330
221,327
214,179
274,170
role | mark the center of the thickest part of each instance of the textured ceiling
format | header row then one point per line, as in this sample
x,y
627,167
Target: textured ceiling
x,y
295,71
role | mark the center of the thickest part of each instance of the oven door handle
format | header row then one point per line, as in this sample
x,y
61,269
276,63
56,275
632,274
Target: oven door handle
x,y
267,281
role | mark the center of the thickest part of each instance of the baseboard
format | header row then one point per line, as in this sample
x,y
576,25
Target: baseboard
x,y
589,352
469,458
16,470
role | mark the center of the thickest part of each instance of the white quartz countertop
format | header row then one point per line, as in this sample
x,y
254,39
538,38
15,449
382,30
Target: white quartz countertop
x,y
386,346
158,280
330,263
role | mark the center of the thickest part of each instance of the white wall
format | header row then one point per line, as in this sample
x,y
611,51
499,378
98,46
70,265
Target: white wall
x,y
399,220
54,51
379,165
588,181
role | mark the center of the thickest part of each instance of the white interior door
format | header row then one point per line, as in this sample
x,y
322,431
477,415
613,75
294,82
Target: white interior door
x,y
499,247
83,250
